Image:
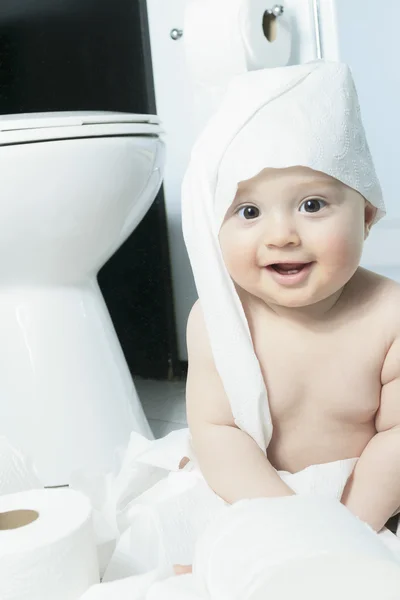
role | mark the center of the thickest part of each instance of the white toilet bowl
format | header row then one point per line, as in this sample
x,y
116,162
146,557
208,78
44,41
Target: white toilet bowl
x,y
73,188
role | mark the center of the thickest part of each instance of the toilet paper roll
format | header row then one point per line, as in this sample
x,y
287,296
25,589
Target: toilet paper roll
x,y
330,577
225,38
276,533
17,473
47,549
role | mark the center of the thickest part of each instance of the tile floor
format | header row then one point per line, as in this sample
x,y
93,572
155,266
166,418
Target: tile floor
x,y
163,403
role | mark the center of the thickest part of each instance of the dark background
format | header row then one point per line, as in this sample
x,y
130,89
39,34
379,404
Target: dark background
x,y
63,55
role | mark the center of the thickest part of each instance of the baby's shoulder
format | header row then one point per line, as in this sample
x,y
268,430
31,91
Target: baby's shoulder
x,y
196,317
378,297
198,343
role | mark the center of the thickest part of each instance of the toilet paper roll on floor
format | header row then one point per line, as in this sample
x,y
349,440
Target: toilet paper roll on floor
x,y
225,38
47,548
329,577
253,542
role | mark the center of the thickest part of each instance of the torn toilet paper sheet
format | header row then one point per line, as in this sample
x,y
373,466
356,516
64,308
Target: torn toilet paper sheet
x,y
129,588
17,472
175,588
113,494
146,587
150,500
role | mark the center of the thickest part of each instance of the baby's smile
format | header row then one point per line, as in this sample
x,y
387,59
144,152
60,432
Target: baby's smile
x,y
289,273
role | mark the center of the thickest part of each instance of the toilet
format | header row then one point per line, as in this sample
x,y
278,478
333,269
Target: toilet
x,y
73,187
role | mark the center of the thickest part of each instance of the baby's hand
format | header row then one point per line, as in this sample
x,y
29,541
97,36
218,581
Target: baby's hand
x,y
182,569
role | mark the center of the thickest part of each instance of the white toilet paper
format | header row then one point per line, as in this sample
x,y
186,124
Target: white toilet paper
x,y
329,577
224,38
47,549
17,473
276,533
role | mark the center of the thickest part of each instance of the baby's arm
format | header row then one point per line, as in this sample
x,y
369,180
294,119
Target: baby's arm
x,y
230,460
373,492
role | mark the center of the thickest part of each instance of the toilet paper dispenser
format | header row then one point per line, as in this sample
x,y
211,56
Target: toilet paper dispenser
x,y
269,17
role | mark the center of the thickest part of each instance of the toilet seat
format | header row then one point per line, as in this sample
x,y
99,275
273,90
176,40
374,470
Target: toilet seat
x,y
40,127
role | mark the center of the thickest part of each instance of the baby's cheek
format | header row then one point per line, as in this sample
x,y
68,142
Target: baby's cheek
x,y
340,250
240,260
239,257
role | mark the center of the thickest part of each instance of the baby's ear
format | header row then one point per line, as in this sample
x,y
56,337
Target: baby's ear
x,y
369,217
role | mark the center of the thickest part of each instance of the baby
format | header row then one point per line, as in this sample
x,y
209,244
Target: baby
x,y
294,349
326,333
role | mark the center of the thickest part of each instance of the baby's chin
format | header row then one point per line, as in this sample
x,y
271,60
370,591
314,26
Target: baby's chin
x,y
297,299
321,294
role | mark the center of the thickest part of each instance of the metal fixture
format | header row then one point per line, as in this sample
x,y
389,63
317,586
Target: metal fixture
x,y
176,34
317,29
277,10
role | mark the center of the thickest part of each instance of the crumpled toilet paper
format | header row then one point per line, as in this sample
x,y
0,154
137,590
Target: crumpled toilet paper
x,y
118,498
17,472
150,511
129,588
111,495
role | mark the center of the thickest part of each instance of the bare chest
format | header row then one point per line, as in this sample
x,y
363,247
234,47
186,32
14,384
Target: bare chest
x,y
327,376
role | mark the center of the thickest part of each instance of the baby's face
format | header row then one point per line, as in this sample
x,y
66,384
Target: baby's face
x,y
294,237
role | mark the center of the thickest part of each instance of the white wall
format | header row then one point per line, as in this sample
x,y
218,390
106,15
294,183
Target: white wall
x,y
175,107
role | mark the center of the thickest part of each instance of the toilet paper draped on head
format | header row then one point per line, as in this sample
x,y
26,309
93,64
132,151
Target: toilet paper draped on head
x,y
306,115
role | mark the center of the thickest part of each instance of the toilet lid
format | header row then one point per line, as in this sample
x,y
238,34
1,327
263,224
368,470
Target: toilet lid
x,y
19,128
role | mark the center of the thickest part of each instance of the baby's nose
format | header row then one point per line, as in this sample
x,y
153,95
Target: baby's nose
x,y
281,232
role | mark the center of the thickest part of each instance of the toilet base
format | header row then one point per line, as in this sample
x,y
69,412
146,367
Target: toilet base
x,y
67,398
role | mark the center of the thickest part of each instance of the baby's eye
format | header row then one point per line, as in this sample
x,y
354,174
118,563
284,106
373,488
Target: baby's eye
x,y
248,212
312,205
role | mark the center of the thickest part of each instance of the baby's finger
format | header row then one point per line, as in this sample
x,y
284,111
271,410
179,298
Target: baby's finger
x,y
182,569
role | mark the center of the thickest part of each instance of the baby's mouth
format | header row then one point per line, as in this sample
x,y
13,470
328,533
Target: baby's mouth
x,y
288,268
